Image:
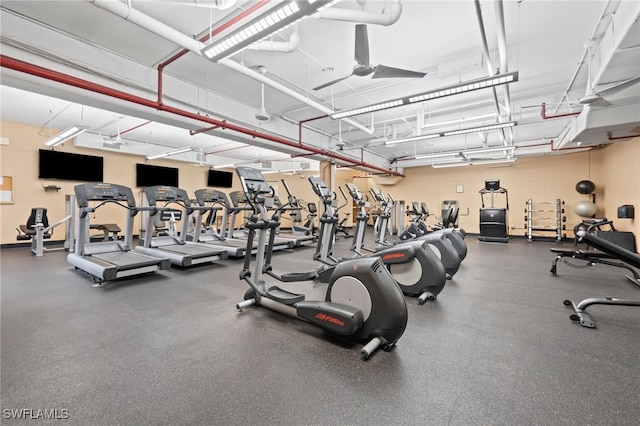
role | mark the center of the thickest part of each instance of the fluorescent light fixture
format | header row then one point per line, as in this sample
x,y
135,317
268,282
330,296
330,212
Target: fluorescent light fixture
x,y
480,128
412,139
443,165
470,86
170,153
489,150
65,135
268,172
474,162
223,166
466,153
494,161
452,133
278,17
438,155
460,120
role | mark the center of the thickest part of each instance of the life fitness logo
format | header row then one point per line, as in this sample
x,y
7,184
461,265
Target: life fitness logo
x,y
390,256
329,318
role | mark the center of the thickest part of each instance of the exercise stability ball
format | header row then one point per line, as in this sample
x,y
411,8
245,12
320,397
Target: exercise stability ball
x,y
585,187
585,209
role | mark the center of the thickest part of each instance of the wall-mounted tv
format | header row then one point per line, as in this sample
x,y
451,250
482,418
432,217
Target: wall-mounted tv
x,y
68,166
147,175
220,179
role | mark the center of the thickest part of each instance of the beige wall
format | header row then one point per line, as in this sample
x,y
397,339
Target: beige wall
x,y
615,169
621,177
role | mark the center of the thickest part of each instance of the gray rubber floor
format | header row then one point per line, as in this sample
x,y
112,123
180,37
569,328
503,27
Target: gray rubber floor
x,y
496,348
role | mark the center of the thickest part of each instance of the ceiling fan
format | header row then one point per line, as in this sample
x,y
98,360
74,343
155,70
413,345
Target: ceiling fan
x,y
594,98
363,68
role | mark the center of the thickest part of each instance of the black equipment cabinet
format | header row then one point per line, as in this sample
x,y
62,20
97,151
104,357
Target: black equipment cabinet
x,y
494,224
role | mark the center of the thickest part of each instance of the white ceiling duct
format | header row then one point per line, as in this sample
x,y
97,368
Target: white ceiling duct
x,y
389,15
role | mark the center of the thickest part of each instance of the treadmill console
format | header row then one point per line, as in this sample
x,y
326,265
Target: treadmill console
x,y
253,181
213,196
238,198
87,192
166,194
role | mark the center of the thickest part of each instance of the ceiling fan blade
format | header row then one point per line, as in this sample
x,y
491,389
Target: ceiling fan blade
x,y
383,71
322,86
362,45
611,90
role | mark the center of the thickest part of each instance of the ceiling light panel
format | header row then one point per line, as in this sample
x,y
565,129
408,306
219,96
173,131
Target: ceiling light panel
x,y
255,28
65,135
469,86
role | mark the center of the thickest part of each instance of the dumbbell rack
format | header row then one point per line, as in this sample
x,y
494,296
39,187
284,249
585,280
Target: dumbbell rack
x,y
535,223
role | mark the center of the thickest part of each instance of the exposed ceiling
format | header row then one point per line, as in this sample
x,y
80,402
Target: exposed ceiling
x,y
69,62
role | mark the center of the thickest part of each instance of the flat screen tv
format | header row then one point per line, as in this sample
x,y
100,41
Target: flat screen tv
x,y
68,166
492,184
147,175
220,179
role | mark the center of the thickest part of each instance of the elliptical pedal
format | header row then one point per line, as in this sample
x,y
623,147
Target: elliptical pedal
x,y
284,296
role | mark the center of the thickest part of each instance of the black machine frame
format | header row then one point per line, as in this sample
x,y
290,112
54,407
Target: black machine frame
x,y
494,221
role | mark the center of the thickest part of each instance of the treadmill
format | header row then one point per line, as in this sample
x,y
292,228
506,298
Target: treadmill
x,y
179,251
240,204
109,260
215,201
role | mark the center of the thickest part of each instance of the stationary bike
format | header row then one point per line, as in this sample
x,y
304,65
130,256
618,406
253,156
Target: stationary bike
x,y
414,265
362,301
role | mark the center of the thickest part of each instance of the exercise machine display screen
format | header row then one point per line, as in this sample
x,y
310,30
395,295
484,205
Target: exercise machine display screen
x,y
492,184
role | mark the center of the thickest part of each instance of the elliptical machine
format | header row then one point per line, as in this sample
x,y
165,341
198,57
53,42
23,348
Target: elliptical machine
x,y
420,232
414,265
438,243
362,301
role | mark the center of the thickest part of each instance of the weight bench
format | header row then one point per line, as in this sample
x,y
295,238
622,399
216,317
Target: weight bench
x,y
593,257
614,251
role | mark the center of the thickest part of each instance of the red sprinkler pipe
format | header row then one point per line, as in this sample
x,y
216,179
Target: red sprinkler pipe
x,y
128,130
21,66
305,121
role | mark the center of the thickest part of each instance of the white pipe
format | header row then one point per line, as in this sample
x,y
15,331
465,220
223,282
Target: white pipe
x,y
256,76
502,52
214,4
387,17
147,22
150,24
278,46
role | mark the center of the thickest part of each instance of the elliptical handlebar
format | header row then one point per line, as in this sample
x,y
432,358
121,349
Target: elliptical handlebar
x,y
346,200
